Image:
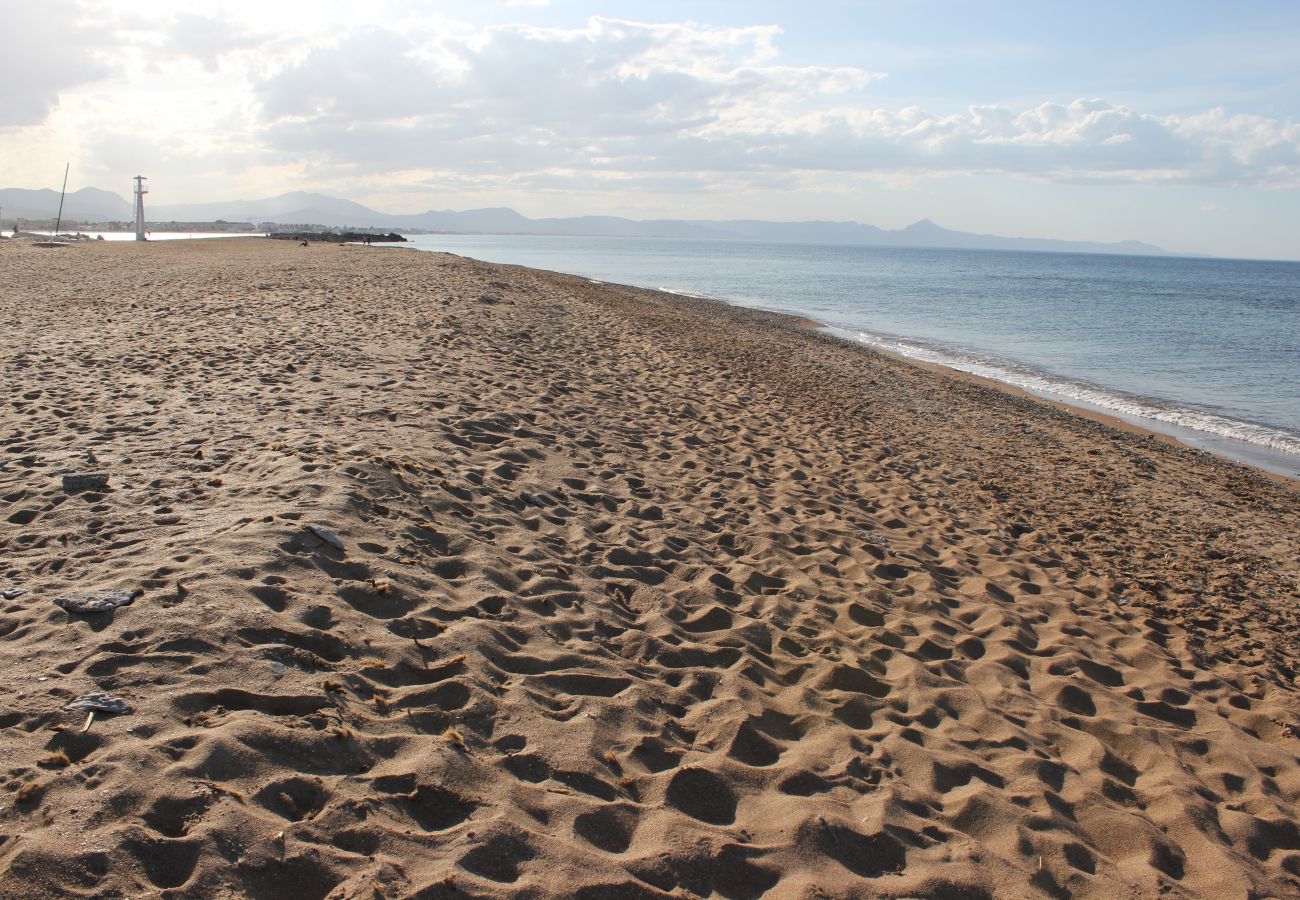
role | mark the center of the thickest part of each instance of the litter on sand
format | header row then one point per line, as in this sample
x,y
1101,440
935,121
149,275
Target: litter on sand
x,y
85,481
99,702
104,601
326,536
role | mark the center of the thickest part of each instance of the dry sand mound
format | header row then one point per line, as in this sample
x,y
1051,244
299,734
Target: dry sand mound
x,y
636,597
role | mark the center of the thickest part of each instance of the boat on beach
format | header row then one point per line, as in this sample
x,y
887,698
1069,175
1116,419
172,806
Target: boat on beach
x,y
55,239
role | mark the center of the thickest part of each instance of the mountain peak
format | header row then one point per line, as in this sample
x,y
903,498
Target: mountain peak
x,y
302,207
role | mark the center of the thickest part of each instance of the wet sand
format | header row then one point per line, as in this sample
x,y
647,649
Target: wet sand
x,y
637,596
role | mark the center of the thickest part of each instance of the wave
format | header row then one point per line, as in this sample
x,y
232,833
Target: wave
x,y
1113,401
694,295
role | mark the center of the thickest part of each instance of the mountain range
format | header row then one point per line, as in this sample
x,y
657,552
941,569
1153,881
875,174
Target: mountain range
x,y
299,207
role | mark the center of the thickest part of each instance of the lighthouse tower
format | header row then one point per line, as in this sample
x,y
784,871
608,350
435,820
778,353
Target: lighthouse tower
x,y
140,191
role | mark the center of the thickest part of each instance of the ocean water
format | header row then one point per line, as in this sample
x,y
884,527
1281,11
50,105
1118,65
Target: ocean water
x,y
1207,350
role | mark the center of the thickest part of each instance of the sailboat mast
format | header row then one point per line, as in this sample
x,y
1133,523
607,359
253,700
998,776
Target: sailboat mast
x,y
59,220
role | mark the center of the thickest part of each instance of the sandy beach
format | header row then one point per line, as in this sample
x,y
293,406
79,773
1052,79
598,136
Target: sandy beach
x,y
449,579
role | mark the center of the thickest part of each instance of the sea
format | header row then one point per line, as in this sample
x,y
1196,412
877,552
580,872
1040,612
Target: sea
x,y
1204,350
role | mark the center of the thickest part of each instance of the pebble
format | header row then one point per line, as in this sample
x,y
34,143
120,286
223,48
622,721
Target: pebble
x,y
12,593
105,601
85,481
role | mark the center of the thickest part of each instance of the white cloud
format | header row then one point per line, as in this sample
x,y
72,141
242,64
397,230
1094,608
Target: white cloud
x,y
614,105
207,38
45,55
627,102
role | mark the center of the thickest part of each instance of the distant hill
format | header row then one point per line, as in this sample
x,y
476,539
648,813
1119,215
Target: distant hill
x,y
302,208
296,207
87,204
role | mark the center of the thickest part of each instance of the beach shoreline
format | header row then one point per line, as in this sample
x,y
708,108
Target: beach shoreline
x,y
423,576
1096,415
1275,463
1099,416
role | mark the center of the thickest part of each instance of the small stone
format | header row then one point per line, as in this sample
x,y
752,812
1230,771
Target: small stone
x,y
325,535
104,601
12,593
85,481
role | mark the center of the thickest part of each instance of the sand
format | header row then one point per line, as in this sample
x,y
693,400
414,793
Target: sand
x,y
638,596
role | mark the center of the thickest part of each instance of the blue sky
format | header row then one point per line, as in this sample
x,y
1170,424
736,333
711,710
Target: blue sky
x,y
1173,123
947,55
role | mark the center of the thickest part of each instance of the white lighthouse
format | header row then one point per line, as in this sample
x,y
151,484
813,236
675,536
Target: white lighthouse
x,y
140,191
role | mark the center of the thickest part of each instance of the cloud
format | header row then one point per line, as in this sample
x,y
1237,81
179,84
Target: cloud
x,y
207,38
621,92
608,105
610,77
50,50
45,55
1092,140
629,103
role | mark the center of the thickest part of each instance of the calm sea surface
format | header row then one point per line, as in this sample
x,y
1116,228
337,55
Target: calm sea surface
x,y
1205,349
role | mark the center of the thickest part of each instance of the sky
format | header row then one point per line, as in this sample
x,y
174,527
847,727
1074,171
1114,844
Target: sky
x,y
1175,123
